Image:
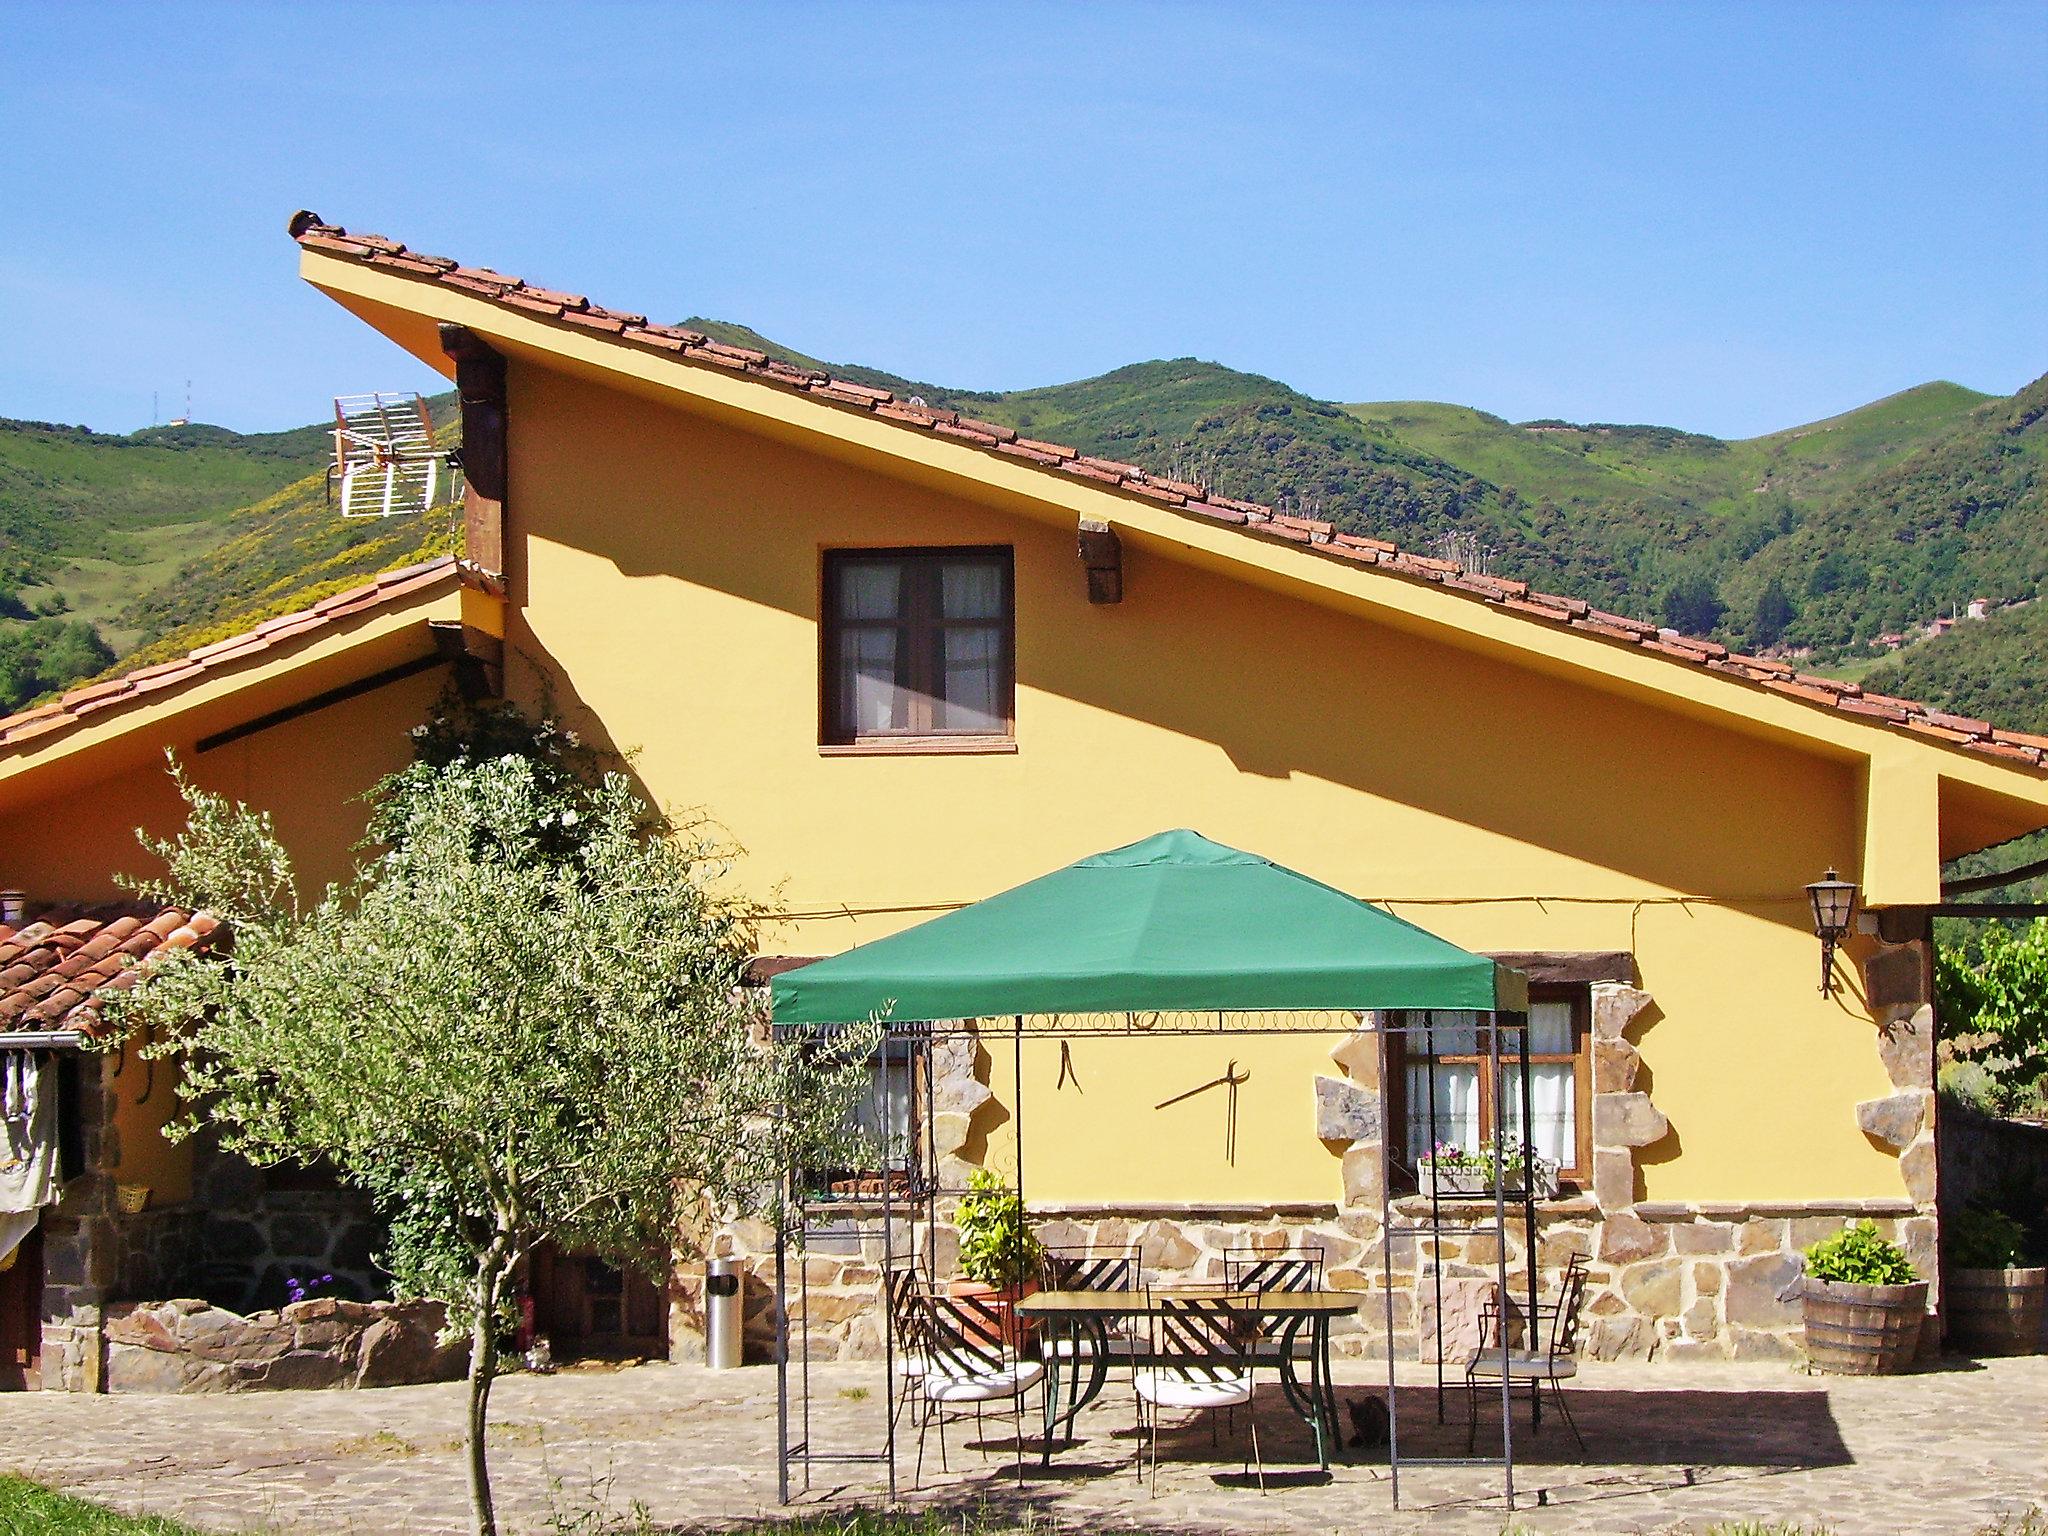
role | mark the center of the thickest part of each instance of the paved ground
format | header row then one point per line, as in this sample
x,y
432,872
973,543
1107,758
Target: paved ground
x,y
1673,1448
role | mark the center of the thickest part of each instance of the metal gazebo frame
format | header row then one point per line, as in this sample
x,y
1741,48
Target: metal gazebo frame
x,y
909,1190
908,1182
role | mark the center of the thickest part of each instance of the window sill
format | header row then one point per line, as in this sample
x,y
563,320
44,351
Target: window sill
x,y
919,746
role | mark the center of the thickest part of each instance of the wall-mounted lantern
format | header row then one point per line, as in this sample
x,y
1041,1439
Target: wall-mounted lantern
x,y
1834,908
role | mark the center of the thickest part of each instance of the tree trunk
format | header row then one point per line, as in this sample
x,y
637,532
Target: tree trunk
x,y
483,1369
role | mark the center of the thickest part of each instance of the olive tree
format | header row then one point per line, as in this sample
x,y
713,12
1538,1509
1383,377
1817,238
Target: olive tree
x,y
518,1021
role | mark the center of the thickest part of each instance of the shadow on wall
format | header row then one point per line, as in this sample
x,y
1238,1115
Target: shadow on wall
x,y
261,1229
741,515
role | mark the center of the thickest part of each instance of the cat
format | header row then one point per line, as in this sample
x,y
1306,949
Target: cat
x,y
1368,1421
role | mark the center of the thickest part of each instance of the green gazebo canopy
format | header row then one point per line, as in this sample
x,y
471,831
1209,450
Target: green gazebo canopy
x,y
1175,923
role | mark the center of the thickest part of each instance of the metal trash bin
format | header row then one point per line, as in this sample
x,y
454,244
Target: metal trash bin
x,y
722,1326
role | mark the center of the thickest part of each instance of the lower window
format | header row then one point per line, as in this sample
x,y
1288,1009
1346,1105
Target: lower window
x,y
1466,1105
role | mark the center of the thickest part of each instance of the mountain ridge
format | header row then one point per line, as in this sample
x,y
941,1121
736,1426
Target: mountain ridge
x,y
1814,537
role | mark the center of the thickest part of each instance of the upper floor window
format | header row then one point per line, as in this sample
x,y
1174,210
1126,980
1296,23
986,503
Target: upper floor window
x,y
918,643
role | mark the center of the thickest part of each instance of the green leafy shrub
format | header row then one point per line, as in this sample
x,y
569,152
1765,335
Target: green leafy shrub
x,y
996,1245
1994,1017
1860,1255
1980,1238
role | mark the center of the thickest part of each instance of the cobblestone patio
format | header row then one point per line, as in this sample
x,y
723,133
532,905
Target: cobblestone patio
x,y
1673,1447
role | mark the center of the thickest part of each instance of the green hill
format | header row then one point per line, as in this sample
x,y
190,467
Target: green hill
x,y
121,548
1996,670
87,517
1819,536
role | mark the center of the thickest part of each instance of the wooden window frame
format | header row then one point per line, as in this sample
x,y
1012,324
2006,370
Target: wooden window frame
x,y
921,650
1580,996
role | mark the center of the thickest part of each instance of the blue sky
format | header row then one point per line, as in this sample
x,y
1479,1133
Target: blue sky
x,y
1724,218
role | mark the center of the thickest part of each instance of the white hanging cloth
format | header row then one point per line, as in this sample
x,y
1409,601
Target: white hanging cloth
x,y
28,1132
28,1144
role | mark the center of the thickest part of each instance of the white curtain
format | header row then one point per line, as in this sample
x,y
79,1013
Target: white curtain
x,y
1553,1121
869,698
869,591
1457,1107
972,657
972,661
1550,1030
971,591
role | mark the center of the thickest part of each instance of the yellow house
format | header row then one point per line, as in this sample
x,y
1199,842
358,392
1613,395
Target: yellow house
x,y
911,659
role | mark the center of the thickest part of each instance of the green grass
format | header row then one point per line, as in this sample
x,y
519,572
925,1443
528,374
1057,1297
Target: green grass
x,y
29,1509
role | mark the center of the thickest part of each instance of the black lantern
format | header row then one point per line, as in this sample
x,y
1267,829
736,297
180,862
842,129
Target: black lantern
x,y
1834,907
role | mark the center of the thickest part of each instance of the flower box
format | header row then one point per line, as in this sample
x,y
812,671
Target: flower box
x,y
1470,1181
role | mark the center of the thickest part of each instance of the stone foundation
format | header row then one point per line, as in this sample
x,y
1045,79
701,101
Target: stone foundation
x,y
235,1243
1665,1281
189,1346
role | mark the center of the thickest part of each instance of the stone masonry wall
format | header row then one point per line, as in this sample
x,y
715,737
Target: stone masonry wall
x,y
189,1346
1665,1281
234,1243
254,1238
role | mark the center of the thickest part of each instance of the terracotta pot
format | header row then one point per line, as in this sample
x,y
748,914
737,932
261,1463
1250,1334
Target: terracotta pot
x,y
1996,1311
1862,1330
1005,1327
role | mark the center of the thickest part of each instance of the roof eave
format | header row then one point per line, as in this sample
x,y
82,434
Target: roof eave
x,y
406,307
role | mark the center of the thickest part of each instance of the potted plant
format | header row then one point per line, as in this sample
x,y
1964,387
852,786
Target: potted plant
x,y
1862,1304
1993,1298
1452,1171
999,1256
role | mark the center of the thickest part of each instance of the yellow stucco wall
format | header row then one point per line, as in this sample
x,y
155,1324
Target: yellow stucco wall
x,y
309,772
665,587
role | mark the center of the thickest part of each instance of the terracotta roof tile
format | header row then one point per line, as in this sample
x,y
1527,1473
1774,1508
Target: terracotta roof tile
x,y
56,967
1129,479
81,704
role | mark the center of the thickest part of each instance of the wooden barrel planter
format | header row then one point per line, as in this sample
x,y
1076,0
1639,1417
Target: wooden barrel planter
x,y
1862,1330
1996,1311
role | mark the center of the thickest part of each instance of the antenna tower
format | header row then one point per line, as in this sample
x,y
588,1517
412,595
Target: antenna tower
x,y
385,458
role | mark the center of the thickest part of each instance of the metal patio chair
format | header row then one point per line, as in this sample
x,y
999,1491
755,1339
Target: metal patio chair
x,y
1555,1363
968,1369
906,1325
1200,1359
1075,1345
1253,1269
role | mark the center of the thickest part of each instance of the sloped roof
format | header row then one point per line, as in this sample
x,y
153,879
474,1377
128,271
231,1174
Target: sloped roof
x,y
575,311
56,967
79,705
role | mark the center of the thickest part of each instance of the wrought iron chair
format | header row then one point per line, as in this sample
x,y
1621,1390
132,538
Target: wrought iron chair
x,y
1556,1363
1078,1344
967,1368
906,1325
1200,1359
1090,1269
1253,1269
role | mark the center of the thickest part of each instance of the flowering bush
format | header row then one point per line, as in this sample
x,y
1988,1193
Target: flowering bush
x,y
1448,1155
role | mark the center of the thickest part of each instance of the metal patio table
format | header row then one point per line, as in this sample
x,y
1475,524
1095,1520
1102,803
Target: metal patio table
x,y
1078,1314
